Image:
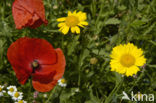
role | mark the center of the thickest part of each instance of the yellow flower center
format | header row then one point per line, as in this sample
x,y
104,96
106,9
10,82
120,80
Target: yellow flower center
x,y
16,94
63,81
127,60
72,21
21,101
11,89
0,89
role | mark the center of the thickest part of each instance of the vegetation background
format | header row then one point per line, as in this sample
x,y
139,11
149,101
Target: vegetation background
x,y
111,22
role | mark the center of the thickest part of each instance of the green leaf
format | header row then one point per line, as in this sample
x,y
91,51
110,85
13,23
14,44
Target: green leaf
x,y
72,45
83,56
153,42
113,21
95,51
93,99
66,94
137,23
122,7
149,29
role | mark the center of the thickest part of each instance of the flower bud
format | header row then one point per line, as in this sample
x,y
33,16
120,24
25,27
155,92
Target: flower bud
x,y
93,60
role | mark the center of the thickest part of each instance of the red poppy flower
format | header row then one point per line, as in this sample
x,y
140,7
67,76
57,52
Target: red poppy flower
x,y
37,58
28,13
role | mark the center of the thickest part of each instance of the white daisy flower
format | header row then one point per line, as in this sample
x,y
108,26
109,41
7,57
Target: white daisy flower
x,y
62,82
11,90
1,90
21,101
45,95
17,96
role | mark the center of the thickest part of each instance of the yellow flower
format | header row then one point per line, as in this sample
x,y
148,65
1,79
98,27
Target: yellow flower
x,y
73,21
126,59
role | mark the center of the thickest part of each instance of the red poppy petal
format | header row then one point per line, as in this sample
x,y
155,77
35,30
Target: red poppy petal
x,y
22,52
60,66
28,13
43,83
38,7
21,75
20,15
25,50
44,87
43,78
43,51
19,57
57,68
38,49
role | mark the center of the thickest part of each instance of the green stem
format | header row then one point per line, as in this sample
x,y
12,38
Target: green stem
x,y
138,79
51,94
53,31
114,91
29,91
79,78
62,43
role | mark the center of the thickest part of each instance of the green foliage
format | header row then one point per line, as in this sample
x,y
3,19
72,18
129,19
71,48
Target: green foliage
x,y
111,22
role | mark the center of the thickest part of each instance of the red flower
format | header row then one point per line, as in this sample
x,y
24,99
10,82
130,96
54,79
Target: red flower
x,y
37,58
28,13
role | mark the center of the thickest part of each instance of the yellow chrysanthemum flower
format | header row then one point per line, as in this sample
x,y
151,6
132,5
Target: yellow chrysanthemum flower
x,y
126,59
73,21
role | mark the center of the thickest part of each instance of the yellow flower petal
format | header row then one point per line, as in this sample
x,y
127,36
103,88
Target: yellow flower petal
x,y
73,29
61,24
140,61
61,28
74,13
61,19
132,70
82,16
65,29
69,13
83,23
77,30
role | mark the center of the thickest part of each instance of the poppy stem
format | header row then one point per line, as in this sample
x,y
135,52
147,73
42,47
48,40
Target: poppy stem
x,y
51,94
29,92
